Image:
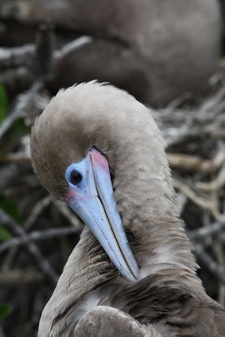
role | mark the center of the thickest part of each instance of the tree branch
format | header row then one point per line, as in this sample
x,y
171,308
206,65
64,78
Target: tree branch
x,y
31,248
38,236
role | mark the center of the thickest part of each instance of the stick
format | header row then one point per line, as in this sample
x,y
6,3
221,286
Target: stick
x,y
31,248
37,236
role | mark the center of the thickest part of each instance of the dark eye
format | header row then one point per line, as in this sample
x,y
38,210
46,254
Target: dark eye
x,y
75,177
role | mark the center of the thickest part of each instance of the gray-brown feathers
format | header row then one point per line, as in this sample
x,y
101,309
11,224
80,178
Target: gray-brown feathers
x,y
92,114
168,300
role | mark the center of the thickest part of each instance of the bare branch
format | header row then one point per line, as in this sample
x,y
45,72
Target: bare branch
x,y
203,232
18,278
70,47
11,172
209,262
188,162
38,208
19,56
68,214
31,248
17,111
38,236
209,203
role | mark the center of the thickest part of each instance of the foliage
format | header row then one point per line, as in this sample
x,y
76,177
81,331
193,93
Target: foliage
x,y
5,310
3,103
10,208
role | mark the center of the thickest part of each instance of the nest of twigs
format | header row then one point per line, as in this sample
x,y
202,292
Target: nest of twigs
x,y
42,232
195,135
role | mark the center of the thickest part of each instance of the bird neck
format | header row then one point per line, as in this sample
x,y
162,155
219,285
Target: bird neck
x,y
145,201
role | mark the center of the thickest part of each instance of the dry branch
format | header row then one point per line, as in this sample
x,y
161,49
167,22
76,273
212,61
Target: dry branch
x,y
31,248
24,56
203,232
209,263
18,278
17,111
38,236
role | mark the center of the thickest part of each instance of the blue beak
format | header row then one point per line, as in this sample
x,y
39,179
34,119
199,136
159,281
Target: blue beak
x,y
91,198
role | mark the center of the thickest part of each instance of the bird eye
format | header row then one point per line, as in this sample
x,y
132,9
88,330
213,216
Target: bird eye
x,y
75,177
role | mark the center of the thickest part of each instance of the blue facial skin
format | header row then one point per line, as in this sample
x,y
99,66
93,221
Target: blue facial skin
x,y
90,196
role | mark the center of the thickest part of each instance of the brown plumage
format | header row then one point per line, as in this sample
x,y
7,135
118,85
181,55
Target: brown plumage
x,y
155,49
91,297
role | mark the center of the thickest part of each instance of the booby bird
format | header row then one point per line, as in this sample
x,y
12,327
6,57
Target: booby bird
x,y
132,273
155,49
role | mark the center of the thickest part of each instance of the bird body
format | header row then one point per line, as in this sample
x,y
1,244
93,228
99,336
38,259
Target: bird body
x,y
92,127
155,49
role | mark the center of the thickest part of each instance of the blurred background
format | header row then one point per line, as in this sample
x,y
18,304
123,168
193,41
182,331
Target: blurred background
x,y
170,56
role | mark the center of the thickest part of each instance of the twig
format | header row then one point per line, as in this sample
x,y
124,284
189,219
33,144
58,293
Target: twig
x,y
70,47
14,57
17,56
31,248
23,154
210,204
209,262
6,124
215,184
68,214
202,232
219,248
38,236
19,157
188,162
38,208
11,172
18,278
43,58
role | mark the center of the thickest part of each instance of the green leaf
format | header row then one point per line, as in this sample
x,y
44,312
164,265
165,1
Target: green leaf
x,y
17,130
5,235
5,310
3,103
10,138
10,208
